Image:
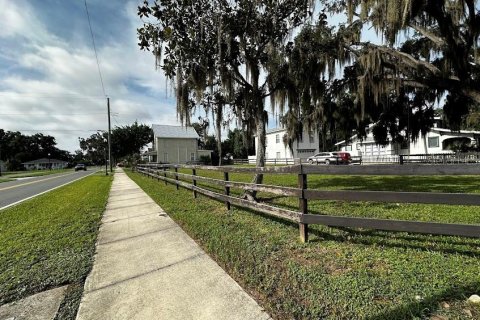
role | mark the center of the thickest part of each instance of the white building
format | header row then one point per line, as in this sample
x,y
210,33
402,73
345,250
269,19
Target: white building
x,y
44,164
276,149
437,141
175,144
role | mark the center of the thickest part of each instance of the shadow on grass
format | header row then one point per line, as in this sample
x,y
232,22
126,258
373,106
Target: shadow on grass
x,y
428,306
392,239
425,242
463,184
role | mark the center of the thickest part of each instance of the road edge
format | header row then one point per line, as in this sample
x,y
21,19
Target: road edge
x,y
43,192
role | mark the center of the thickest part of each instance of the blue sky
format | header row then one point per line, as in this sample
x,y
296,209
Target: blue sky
x,y
49,81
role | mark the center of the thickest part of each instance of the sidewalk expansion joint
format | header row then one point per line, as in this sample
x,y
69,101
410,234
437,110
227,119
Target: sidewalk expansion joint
x,y
131,206
145,273
160,214
137,236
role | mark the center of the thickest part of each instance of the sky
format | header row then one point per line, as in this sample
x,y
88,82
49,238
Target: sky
x,y
49,81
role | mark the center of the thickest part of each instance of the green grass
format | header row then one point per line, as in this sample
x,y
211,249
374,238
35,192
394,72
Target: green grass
x,y
49,241
340,273
37,173
4,180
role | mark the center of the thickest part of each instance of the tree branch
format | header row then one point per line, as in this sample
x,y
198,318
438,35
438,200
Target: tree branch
x,y
427,34
408,59
240,78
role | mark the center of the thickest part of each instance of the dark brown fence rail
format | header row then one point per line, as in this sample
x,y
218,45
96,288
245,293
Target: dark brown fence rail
x,y
169,174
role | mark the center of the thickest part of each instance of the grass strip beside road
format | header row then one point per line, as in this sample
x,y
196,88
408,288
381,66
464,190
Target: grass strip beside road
x,y
33,173
5,180
341,273
49,241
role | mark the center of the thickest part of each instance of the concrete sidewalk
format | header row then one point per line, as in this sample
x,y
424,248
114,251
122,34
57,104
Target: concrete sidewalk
x,y
146,267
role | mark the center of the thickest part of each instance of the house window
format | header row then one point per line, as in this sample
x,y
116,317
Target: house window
x,y
305,150
278,155
192,156
165,157
312,139
277,138
348,148
433,142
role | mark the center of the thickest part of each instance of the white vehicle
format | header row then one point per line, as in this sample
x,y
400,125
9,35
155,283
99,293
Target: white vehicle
x,y
331,158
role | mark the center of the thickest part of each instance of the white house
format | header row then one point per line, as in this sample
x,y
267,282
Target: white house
x,y
45,163
175,144
276,149
437,141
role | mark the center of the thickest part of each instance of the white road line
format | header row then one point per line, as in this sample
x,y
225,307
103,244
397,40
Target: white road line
x,y
36,195
36,181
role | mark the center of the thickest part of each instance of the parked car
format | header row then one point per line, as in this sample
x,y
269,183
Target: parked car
x,y
80,166
331,158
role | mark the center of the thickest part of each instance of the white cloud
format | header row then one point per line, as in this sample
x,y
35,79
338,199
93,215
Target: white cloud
x,y
59,87
18,20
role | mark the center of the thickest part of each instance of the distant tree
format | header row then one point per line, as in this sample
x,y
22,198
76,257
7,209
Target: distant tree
x,y
201,128
17,148
130,139
95,147
78,156
126,141
211,143
236,145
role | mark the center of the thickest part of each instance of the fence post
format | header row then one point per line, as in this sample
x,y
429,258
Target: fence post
x,y
303,205
401,159
227,189
165,174
194,173
176,177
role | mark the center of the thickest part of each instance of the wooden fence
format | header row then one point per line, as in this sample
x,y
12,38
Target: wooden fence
x,y
169,174
432,158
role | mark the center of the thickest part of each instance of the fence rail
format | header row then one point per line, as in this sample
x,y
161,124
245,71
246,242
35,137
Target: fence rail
x,y
432,158
303,218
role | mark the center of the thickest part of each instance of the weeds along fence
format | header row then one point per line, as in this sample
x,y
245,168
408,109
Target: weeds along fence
x,y
169,174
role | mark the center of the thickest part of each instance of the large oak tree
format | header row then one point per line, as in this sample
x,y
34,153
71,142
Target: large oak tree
x,y
229,48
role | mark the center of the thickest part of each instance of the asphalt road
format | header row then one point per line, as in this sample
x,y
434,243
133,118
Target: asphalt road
x,y
14,192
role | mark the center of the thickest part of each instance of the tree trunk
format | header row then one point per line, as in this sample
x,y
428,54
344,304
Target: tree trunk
x,y
218,131
261,146
246,142
260,123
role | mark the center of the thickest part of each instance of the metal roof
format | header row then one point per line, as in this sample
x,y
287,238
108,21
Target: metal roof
x,y
166,131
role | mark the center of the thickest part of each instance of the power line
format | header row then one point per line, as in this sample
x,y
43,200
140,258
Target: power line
x,y
95,48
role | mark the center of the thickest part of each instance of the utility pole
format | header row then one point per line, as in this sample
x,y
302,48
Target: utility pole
x,y
109,137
